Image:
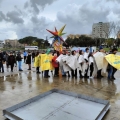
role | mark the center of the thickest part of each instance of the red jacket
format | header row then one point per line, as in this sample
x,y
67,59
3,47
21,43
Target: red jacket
x,y
54,63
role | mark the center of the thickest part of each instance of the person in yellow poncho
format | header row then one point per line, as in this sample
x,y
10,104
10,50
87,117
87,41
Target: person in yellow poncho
x,y
46,63
111,70
37,62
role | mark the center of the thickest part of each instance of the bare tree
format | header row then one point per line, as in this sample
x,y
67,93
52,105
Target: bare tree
x,y
113,29
108,31
116,29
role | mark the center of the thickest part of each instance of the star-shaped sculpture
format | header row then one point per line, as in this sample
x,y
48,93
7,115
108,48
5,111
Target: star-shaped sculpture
x,y
57,34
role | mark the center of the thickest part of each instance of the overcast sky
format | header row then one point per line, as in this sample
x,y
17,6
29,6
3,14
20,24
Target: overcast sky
x,y
21,18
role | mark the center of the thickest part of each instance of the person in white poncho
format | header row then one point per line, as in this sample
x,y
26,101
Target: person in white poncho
x,y
86,61
81,62
61,62
91,65
74,72
66,68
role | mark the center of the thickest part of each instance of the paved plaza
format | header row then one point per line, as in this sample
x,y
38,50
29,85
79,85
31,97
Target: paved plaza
x,y
19,86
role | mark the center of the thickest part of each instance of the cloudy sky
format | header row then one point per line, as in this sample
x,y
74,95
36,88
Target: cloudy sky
x,y
21,18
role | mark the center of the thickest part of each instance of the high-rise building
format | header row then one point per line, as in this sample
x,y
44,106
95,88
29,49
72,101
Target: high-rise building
x,y
100,30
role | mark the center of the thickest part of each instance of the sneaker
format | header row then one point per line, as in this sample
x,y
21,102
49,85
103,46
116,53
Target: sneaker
x,y
20,70
29,69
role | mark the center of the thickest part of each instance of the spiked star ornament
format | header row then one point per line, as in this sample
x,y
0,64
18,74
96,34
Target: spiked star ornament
x,y
57,34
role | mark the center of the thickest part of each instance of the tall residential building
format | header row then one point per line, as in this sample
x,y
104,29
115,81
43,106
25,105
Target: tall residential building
x,y
100,30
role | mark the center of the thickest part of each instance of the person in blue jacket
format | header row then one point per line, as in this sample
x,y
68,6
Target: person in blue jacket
x,y
25,56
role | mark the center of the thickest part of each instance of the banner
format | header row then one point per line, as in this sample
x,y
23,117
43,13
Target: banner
x,y
113,60
46,62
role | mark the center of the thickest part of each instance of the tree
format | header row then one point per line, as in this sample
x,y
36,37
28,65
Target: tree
x,y
27,40
46,43
41,43
118,42
110,42
83,41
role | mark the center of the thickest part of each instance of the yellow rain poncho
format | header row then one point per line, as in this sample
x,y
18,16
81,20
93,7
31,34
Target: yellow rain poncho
x,y
113,60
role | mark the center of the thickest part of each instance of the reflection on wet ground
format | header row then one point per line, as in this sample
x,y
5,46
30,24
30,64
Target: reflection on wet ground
x,y
17,87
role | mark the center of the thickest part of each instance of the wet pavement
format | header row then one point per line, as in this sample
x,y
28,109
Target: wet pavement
x,y
16,87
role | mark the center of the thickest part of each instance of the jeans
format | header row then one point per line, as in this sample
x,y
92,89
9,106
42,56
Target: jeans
x,y
114,70
46,73
19,65
62,70
1,66
110,71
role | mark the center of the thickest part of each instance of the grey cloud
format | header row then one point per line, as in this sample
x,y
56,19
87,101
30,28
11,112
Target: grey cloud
x,y
113,0
93,15
35,27
34,19
2,16
1,1
82,19
38,5
26,5
14,17
20,11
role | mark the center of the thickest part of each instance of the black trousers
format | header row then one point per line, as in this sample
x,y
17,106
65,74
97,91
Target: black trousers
x,y
1,67
99,73
74,74
24,59
12,65
91,69
56,70
86,72
37,69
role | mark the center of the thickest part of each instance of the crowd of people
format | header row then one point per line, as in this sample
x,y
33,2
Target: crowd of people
x,y
70,63
13,59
